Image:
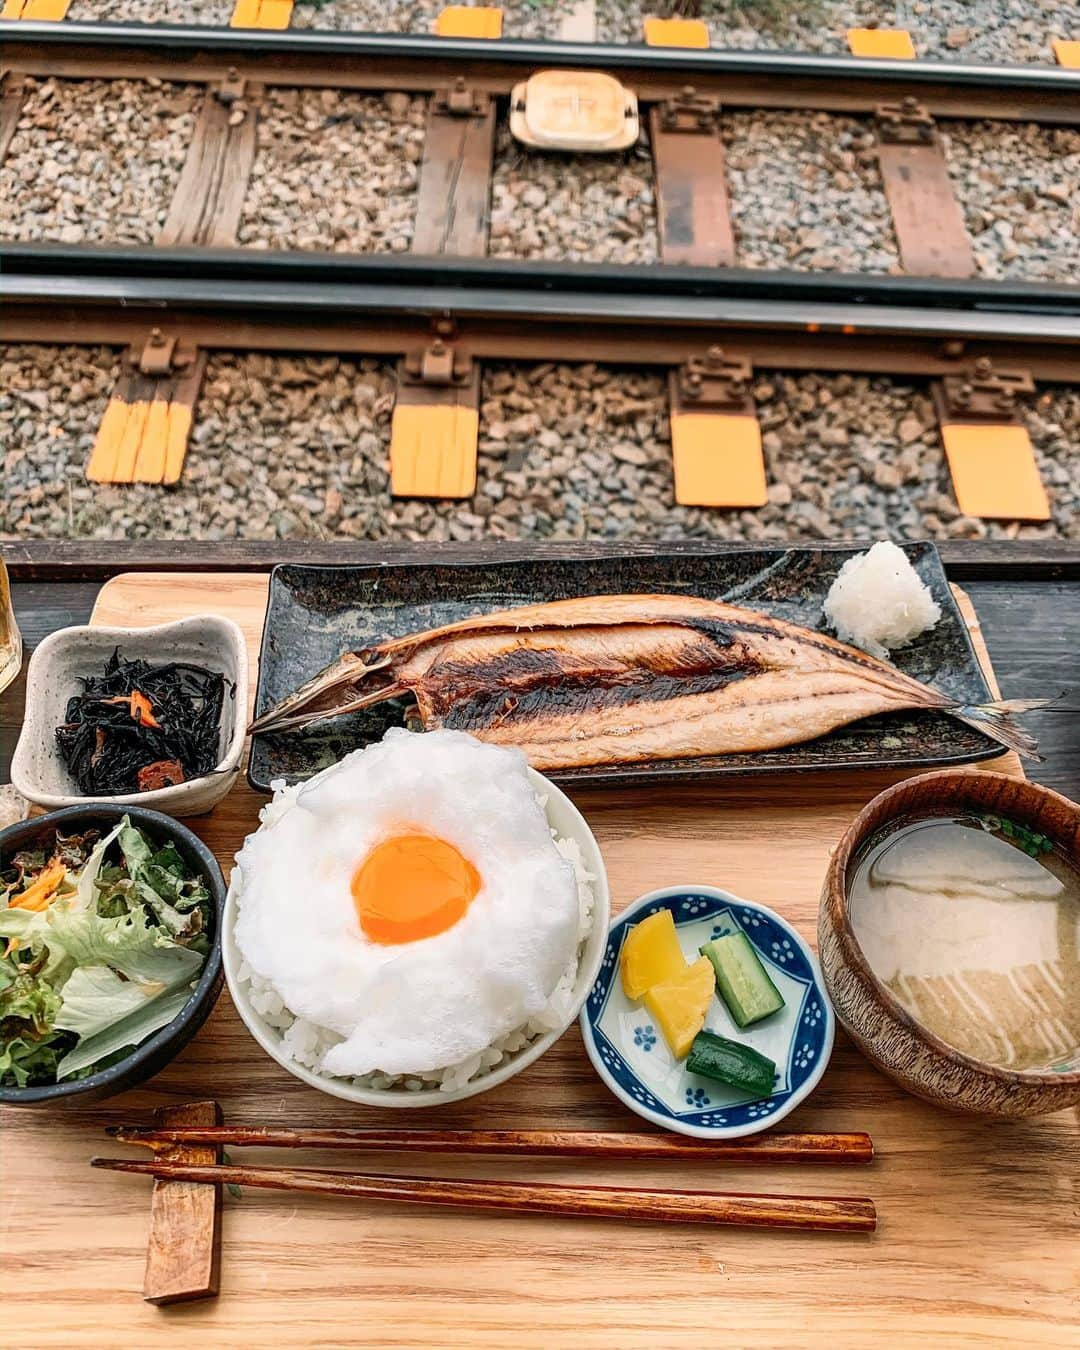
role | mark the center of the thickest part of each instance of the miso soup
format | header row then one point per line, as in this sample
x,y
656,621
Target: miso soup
x,y
974,925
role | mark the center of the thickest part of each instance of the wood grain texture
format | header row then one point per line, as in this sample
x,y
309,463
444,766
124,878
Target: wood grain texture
x,y
693,210
811,1213
209,196
929,224
183,1249
453,197
609,1144
977,1239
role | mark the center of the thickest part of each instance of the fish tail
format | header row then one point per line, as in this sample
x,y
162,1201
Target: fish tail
x,y
996,721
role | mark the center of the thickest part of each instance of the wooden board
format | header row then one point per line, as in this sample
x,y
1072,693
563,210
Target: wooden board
x,y
977,1239
453,203
693,209
13,91
209,197
927,218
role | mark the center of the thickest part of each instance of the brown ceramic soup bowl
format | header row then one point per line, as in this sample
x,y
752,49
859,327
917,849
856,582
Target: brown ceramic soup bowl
x,y
882,1029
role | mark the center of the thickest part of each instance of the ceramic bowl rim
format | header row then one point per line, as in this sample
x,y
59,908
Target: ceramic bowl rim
x,y
225,770
836,905
796,1098
203,996
588,969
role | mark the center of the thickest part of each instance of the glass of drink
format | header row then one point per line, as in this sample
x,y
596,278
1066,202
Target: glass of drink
x,y
10,637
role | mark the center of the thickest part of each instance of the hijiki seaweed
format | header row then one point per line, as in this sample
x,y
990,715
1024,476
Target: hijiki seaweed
x,y
138,726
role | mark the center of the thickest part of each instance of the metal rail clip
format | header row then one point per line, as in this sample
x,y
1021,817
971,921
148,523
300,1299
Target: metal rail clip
x,y
461,101
716,382
437,364
906,123
689,113
984,392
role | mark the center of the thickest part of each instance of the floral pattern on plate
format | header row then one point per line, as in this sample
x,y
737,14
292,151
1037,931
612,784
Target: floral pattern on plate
x,y
634,1059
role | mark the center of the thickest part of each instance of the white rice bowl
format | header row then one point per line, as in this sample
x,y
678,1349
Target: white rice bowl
x,y
299,1045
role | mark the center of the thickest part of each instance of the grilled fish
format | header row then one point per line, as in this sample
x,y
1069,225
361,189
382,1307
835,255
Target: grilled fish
x,y
621,678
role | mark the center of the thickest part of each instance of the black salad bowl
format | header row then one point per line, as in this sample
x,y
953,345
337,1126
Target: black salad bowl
x,y
156,1051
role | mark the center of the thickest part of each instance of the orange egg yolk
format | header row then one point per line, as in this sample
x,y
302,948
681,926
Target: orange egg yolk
x,y
412,886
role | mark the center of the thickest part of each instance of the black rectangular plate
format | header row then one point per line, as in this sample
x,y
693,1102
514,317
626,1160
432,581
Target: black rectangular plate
x,y
316,613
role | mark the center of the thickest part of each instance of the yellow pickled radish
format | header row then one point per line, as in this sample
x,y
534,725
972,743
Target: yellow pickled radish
x,y
650,954
679,1005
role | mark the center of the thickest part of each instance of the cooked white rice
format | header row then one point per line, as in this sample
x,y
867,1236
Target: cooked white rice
x,y
307,1042
878,601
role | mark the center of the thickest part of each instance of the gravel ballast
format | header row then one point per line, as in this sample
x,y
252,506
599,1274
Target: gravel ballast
x,y
806,193
289,447
988,31
1005,31
334,171
202,13
1019,184
521,18
95,160
578,208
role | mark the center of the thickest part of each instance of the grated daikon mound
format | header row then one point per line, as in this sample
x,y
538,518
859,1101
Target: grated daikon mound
x,y
878,602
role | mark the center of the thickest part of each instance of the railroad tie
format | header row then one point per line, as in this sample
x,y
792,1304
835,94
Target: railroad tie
x,y
989,451
675,32
42,11
927,217
144,432
715,435
693,208
209,197
453,196
261,14
890,44
469,21
13,90
436,424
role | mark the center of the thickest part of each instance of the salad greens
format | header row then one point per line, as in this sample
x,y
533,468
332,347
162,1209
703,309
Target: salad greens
x,y
101,943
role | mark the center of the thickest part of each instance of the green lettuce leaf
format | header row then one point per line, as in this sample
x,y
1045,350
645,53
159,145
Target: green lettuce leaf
x,y
87,884
95,997
128,943
131,1031
30,999
24,1060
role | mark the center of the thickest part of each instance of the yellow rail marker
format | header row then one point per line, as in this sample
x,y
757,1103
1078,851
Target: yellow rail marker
x,y
470,21
994,473
894,44
675,32
1067,52
718,460
44,11
261,14
144,432
433,450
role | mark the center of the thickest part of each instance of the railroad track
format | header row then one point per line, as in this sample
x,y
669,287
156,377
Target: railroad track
x,y
985,342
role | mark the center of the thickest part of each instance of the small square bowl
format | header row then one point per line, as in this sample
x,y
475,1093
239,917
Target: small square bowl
x,y
53,675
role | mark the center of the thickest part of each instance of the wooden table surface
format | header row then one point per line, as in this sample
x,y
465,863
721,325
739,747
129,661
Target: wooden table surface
x,y
977,1241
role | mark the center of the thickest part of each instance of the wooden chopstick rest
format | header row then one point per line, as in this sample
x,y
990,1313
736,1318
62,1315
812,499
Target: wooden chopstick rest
x,y
852,1148
183,1254
849,1214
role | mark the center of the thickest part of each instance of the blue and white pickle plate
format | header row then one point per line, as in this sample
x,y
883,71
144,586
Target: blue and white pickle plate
x,y
630,1053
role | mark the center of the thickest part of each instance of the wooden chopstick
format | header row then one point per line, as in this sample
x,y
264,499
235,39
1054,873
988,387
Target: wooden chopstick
x,y
759,1148
848,1214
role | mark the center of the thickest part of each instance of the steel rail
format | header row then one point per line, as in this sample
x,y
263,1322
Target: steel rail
x,y
419,62
240,300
